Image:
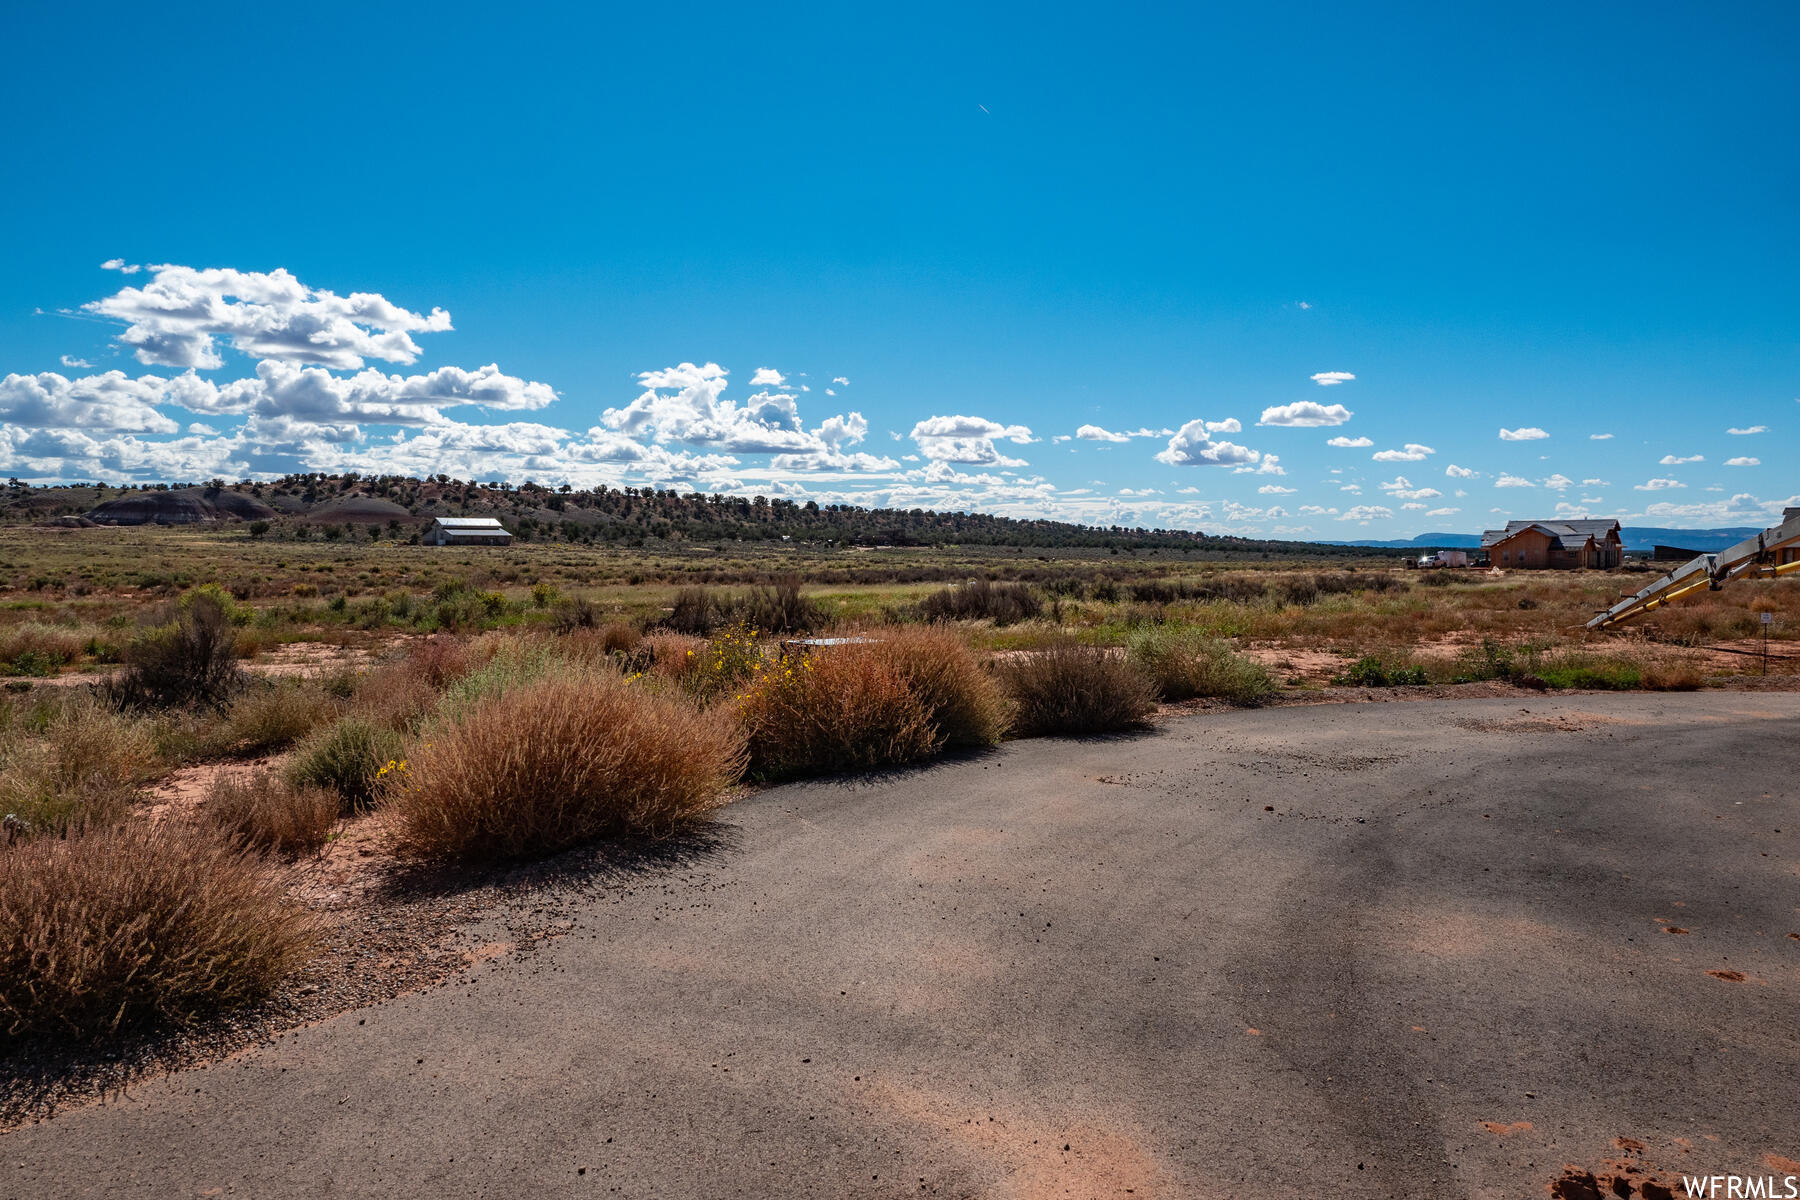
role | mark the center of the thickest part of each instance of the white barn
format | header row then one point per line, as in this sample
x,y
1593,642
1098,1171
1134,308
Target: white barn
x,y
467,531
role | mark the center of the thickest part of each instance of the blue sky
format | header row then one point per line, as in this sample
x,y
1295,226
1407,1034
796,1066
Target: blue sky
x,y
613,245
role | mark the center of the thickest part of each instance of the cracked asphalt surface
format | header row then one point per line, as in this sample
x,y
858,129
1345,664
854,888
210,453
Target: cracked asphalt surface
x,y
1426,949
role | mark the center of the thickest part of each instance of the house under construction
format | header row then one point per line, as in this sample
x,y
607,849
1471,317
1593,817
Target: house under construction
x,y
1555,545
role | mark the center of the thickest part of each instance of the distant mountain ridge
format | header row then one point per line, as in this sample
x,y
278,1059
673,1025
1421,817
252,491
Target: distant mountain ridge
x,y
1644,538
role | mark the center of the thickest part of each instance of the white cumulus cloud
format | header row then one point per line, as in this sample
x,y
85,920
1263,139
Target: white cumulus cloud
x,y
1743,462
1332,378
109,401
1094,433
968,440
1193,445
1400,487
1305,414
1350,443
1413,452
179,315
1527,433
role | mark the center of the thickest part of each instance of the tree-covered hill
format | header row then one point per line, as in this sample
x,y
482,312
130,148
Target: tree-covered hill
x,y
312,505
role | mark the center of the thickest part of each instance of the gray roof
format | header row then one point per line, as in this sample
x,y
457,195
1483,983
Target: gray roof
x,y
1569,535
470,523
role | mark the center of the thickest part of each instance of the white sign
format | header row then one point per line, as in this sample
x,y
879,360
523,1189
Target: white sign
x,y
1768,618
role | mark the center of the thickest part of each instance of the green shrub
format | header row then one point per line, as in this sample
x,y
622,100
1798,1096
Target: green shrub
x,y
39,650
722,666
1593,673
346,758
137,926
1372,671
572,614
512,661
1185,663
1495,660
1070,689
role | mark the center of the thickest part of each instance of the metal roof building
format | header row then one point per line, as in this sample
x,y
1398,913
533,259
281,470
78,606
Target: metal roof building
x,y
467,531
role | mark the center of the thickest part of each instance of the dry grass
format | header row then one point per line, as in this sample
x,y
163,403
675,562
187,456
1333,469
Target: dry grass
x,y
272,716
401,693
619,638
84,770
34,649
561,760
1070,689
265,812
962,699
439,660
844,708
1668,675
137,926
1185,663
672,654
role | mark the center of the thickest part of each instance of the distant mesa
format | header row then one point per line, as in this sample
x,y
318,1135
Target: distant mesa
x,y
180,506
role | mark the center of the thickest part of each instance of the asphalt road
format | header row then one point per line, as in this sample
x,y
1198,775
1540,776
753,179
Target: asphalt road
x,y
1423,949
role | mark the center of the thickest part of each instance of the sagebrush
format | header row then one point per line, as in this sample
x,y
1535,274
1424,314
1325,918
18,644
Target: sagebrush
x,y
345,758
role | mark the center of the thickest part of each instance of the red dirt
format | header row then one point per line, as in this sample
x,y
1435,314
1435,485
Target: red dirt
x,y
1501,1128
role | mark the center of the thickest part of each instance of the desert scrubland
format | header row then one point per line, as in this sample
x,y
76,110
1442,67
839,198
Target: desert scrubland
x,y
249,782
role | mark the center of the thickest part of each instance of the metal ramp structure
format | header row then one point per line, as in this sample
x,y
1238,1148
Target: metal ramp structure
x,y
1774,551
